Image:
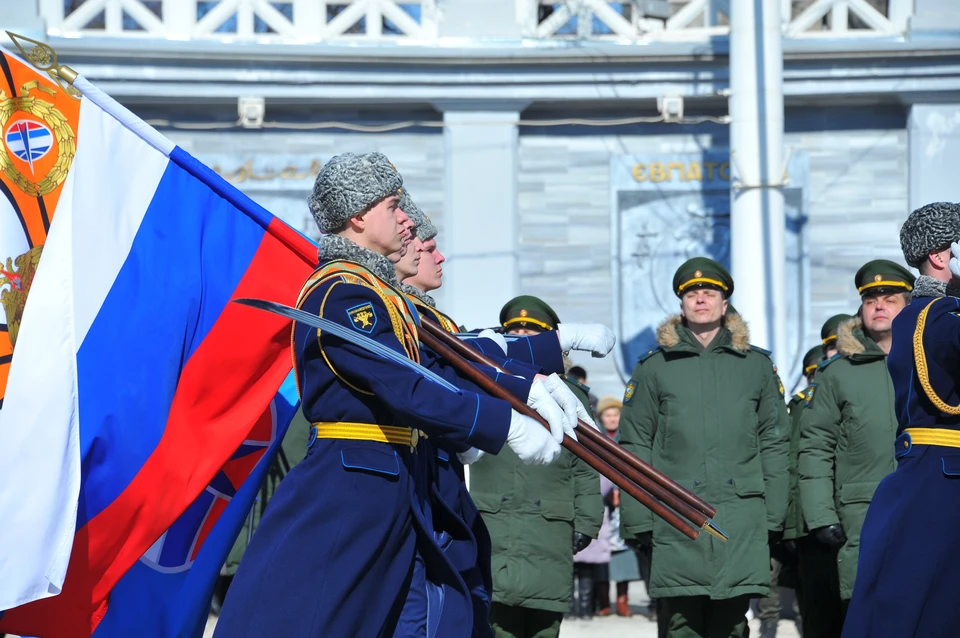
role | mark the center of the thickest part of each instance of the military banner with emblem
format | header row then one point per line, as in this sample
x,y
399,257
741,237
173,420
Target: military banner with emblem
x,y
119,378
38,121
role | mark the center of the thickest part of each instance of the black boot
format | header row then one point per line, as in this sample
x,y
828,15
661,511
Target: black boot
x,y
220,594
768,629
574,605
586,595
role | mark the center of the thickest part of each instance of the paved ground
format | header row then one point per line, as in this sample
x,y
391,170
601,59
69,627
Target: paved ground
x,y
639,626
614,626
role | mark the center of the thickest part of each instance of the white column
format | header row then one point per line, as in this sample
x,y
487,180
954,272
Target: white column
x,y
479,235
934,133
756,147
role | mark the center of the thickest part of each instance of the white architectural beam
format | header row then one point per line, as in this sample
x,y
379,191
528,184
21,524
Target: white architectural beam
x,y
480,213
757,223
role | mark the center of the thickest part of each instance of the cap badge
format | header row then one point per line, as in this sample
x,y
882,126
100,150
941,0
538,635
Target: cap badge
x,y
524,313
878,278
698,274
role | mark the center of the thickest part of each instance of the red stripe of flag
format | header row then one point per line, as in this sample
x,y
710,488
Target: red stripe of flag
x,y
213,412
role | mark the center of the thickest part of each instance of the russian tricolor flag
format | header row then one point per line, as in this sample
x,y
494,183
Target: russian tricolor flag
x,y
142,407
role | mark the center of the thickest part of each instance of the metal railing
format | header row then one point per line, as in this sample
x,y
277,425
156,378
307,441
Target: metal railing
x,y
243,20
699,19
386,20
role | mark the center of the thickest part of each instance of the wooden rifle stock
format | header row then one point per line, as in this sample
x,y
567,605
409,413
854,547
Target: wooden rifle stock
x,y
609,452
590,457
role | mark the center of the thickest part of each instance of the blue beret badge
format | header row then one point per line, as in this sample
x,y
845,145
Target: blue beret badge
x,y
363,318
629,392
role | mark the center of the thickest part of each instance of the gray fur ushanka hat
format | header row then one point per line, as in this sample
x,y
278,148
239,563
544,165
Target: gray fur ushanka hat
x,y
349,184
424,227
928,229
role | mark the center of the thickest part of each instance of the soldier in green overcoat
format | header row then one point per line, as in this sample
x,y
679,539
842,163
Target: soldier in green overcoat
x,y
819,585
706,409
795,527
538,517
783,572
849,424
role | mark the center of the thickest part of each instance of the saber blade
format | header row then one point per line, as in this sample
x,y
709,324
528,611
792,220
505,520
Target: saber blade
x,y
368,344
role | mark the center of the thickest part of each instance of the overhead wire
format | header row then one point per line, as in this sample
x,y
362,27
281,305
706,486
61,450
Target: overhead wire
x,y
396,126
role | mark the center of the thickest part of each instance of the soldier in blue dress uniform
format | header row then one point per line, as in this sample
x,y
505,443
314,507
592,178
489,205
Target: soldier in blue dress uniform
x,y
906,580
335,552
530,356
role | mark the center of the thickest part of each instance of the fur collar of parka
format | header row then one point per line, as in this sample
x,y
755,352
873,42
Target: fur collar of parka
x,y
668,334
848,344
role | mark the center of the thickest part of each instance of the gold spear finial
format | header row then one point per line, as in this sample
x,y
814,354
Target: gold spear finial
x,y
42,56
714,530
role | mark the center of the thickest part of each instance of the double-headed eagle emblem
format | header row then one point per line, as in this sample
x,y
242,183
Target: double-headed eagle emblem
x,y
16,276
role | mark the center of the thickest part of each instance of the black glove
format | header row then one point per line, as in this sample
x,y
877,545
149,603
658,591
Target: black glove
x,y
790,546
831,535
643,540
580,542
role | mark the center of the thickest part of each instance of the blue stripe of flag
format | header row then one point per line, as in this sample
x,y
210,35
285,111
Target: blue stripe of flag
x,y
190,252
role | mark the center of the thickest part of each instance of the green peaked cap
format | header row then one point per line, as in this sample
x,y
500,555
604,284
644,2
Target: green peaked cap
x,y
702,272
882,276
828,332
812,359
527,311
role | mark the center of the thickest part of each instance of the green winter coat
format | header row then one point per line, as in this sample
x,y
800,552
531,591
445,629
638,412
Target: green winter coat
x,y
712,419
847,433
795,526
531,512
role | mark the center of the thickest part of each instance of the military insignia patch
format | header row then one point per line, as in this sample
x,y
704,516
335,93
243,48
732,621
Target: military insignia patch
x,y
809,398
629,392
362,317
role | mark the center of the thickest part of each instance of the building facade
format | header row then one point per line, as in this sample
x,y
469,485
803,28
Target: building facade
x,y
544,138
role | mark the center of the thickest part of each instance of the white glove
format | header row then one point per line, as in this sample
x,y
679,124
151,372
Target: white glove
x,y
531,442
470,456
496,337
568,402
540,400
587,337
955,260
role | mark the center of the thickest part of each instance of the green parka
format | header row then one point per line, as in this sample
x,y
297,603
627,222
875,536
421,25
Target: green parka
x,y
795,526
714,420
847,432
531,512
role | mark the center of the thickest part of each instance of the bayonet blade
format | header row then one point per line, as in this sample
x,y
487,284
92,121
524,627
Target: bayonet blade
x,y
368,344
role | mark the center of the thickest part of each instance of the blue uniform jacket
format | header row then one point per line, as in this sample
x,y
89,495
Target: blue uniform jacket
x,y
541,351
334,554
906,576
470,549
